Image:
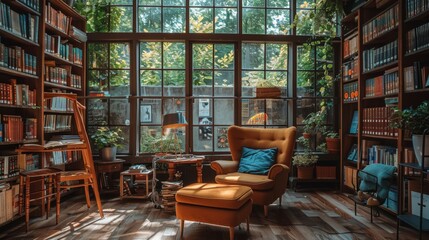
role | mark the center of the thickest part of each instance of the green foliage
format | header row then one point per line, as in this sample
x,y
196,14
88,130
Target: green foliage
x,y
416,120
314,122
158,143
106,137
304,159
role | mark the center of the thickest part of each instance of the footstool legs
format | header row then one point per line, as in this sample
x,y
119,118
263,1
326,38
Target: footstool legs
x,y
182,225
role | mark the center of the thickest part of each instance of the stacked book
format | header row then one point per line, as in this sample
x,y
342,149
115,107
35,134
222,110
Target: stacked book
x,y
168,194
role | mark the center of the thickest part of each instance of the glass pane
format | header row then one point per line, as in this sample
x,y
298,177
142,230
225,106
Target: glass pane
x,y
226,3
201,20
221,137
304,27
277,112
329,104
149,19
202,138
97,112
119,82
174,20
304,3
150,2
303,108
202,83
305,84
150,139
150,81
253,3
121,2
279,3
253,21
174,83
305,58
97,55
174,55
277,78
324,85
119,112
226,20
253,56
224,111
277,56
124,21
203,111
324,58
224,83
278,21
172,105
249,81
120,55
150,111
174,2
125,133
224,56
256,112
200,2
150,55
202,56
97,81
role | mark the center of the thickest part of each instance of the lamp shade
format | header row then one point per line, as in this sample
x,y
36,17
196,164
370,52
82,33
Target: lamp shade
x,y
174,120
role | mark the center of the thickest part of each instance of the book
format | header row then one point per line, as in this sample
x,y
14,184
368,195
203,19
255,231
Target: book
x,y
353,153
354,123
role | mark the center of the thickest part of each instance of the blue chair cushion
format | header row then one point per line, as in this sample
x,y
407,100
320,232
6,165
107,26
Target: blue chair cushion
x,y
377,177
257,161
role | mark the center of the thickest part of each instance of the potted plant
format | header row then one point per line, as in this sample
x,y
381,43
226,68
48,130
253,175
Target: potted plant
x,y
332,141
304,163
417,122
107,141
267,89
313,123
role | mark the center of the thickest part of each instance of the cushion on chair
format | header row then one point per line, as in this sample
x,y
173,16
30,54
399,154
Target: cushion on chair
x,y
256,182
214,195
257,161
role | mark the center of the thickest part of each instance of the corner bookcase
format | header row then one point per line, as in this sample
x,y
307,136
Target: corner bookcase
x,y
385,65
42,49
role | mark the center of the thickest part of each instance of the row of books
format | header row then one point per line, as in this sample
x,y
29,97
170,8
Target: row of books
x,y
28,162
54,123
62,157
16,58
12,127
376,122
59,75
418,38
78,34
382,154
33,4
381,24
9,166
25,25
60,104
57,19
376,57
9,201
416,76
350,92
17,94
415,7
383,85
350,46
55,45
351,69
76,81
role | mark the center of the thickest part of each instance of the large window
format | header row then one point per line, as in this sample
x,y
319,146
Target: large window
x,y
204,59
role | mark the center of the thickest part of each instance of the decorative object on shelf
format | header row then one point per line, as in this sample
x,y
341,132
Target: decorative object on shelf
x,y
107,141
174,121
416,121
266,88
305,164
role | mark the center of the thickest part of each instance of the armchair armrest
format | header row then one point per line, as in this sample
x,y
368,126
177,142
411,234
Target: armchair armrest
x,y
224,166
277,169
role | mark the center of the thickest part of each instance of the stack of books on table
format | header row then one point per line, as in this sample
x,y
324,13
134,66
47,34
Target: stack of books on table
x,y
168,194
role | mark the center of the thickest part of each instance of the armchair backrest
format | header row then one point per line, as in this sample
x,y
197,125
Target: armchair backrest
x,y
260,138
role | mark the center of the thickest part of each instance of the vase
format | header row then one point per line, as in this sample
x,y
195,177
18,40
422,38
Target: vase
x,y
305,172
418,149
108,153
333,145
306,135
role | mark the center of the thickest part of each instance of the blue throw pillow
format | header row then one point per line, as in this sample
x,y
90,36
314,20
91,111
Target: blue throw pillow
x,y
257,161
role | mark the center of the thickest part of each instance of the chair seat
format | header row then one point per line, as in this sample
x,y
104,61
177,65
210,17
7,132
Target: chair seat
x,y
214,195
255,182
74,175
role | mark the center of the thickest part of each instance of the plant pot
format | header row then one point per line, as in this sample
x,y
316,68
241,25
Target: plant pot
x,y
326,172
333,145
418,149
305,172
306,135
268,92
108,153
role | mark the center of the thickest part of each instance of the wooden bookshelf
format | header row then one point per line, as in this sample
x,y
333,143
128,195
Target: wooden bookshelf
x,y
24,37
394,23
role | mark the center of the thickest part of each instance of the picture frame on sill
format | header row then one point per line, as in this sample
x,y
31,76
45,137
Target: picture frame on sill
x,y
145,113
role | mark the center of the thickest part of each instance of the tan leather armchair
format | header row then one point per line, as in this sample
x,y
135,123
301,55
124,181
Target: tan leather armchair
x,y
266,188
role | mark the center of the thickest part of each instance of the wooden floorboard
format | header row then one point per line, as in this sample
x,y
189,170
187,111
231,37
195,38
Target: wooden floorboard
x,y
312,215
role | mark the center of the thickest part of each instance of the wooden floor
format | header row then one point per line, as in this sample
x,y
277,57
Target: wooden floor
x,y
316,215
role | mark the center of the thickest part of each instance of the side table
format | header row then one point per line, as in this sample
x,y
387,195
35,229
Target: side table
x,y
104,170
132,191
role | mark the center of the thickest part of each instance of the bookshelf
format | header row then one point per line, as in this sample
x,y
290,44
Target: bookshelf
x,y
30,65
385,65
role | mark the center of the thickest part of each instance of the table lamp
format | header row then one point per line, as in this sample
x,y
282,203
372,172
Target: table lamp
x,y
174,121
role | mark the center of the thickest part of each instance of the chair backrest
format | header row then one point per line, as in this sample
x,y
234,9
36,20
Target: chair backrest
x,y
260,138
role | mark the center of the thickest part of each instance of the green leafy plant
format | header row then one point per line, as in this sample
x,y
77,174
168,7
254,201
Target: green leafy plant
x,y
416,120
331,134
106,137
314,122
304,159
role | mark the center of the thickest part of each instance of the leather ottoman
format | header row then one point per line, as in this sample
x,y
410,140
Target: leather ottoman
x,y
219,204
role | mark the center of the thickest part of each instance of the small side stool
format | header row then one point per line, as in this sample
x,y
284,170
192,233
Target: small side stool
x,y
47,179
219,204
